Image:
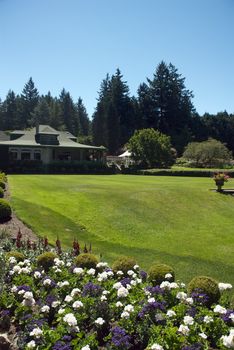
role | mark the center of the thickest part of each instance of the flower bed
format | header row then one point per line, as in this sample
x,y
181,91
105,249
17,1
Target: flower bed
x,y
68,307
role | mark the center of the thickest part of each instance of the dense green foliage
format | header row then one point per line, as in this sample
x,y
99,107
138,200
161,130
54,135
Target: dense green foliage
x,y
157,273
46,260
174,220
206,285
5,210
161,103
210,153
1,192
2,185
86,260
150,148
124,264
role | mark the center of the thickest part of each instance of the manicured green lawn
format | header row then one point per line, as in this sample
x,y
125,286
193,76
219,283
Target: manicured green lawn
x,y
175,220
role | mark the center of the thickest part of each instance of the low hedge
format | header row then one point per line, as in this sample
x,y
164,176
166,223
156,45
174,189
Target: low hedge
x,y
173,172
5,210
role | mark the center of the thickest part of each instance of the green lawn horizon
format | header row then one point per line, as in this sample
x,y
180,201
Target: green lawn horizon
x,y
173,220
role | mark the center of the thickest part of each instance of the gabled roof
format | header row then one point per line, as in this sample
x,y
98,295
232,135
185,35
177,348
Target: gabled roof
x,y
28,139
4,136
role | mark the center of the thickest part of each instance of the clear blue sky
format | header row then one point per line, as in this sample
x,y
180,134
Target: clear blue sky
x,y
74,43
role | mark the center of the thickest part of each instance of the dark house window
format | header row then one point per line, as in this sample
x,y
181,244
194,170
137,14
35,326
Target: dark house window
x,y
13,155
25,155
37,155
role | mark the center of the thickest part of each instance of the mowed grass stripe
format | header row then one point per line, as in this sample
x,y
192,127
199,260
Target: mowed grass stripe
x,y
175,220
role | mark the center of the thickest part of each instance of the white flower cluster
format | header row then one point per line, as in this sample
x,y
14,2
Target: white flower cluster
x,y
228,340
28,299
224,286
23,267
70,320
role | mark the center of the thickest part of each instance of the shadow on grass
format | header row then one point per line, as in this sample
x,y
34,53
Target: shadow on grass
x,y
48,222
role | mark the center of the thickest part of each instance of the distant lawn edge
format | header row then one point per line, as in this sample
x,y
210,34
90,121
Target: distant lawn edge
x,y
177,172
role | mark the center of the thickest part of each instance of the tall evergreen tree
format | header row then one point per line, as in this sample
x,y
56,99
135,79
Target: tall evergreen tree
x,y
171,103
83,122
68,112
9,112
41,113
30,98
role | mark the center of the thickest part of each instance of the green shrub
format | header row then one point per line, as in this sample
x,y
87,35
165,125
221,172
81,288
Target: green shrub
x,y
206,285
17,255
2,184
46,260
3,177
157,273
86,260
1,192
124,263
5,210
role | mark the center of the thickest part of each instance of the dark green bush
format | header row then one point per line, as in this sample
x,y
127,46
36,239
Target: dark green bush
x,y
86,260
17,255
1,192
2,184
46,260
3,177
206,285
124,263
157,272
5,210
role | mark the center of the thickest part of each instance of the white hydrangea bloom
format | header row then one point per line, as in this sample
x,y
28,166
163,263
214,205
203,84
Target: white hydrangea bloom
x,y
70,320
47,282
101,264
203,335
37,274
103,298
232,317
119,273
136,267
174,285
75,291
171,313
99,321
102,276
156,346
228,340
165,285
78,270
31,344
151,300
183,329
189,301
125,314
220,309
68,299
61,311
91,272
45,308
86,347
188,320
181,296
118,304
117,285
129,308
208,319
12,260
122,292
55,303
36,333
77,304
168,276
130,272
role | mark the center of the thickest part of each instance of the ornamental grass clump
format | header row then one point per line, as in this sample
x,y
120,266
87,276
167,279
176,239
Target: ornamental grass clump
x,y
86,260
124,264
205,285
46,260
5,210
15,254
159,273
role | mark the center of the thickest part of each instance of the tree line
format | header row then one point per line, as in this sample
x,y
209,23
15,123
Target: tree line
x,y
162,103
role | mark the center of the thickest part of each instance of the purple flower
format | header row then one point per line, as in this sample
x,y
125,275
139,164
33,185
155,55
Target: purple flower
x,y
143,275
23,287
199,297
61,346
226,317
92,290
125,281
120,339
50,299
151,308
155,290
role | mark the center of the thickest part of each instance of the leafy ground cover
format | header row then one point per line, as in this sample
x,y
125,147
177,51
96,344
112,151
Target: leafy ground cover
x,y
54,304
173,220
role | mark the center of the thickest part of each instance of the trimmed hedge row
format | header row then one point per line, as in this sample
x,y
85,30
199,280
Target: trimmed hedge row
x,y
172,172
59,167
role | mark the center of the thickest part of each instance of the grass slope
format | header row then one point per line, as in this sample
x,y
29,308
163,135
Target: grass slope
x,y
175,220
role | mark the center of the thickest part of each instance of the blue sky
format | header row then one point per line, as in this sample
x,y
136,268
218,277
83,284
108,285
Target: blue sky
x,y
75,43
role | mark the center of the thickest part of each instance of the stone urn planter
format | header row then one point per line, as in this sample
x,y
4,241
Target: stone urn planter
x,y
219,179
219,184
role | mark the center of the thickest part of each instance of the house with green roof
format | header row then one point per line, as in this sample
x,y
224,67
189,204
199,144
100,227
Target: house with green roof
x,y
45,144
